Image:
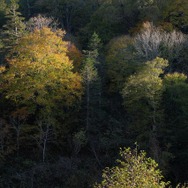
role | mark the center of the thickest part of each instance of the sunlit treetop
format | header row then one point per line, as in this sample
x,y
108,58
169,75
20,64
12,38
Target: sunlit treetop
x,y
40,72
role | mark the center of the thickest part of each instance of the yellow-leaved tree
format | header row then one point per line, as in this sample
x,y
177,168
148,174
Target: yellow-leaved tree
x,y
40,73
40,80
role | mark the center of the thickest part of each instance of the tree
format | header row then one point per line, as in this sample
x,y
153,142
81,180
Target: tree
x,y
14,27
105,21
39,77
176,12
38,22
142,95
90,73
120,62
72,14
40,74
154,42
134,170
175,102
76,56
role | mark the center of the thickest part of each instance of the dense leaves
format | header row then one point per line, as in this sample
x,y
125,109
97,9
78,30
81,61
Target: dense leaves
x,y
40,72
81,78
134,170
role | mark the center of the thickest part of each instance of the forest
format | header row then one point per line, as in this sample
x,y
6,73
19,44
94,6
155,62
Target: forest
x,y
93,93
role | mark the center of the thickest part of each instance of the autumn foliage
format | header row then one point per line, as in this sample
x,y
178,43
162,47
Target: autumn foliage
x,y
39,71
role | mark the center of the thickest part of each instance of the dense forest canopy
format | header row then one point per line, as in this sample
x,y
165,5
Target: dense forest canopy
x,y
80,79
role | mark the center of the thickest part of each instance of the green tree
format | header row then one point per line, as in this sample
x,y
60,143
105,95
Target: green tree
x,y
134,170
14,27
176,12
120,62
142,95
90,73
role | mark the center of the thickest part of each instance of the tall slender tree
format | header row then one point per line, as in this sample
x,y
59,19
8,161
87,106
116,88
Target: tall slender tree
x,y
90,72
92,83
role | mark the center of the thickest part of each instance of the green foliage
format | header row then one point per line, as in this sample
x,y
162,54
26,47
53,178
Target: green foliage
x,y
91,78
128,94
142,96
89,72
142,91
120,62
94,46
14,27
104,21
185,185
134,170
176,12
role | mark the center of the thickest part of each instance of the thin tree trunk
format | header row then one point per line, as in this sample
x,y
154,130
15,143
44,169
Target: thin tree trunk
x,y
18,140
2,136
88,105
45,143
153,139
95,154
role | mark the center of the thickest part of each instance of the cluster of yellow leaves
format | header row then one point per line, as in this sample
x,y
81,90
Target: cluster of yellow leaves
x,y
41,73
2,69
135,170
175,78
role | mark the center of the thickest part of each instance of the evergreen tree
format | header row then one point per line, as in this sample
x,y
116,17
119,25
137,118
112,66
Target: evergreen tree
x,y
14,27
93,90
90,73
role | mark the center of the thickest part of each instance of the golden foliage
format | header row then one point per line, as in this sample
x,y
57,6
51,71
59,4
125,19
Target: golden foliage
x,y
41,73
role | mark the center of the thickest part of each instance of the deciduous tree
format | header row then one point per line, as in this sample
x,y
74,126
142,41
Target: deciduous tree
x,y
40,74
134,170
142,95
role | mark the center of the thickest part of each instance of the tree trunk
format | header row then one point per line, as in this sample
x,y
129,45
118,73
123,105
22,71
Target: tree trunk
x,y
46,133
88,105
